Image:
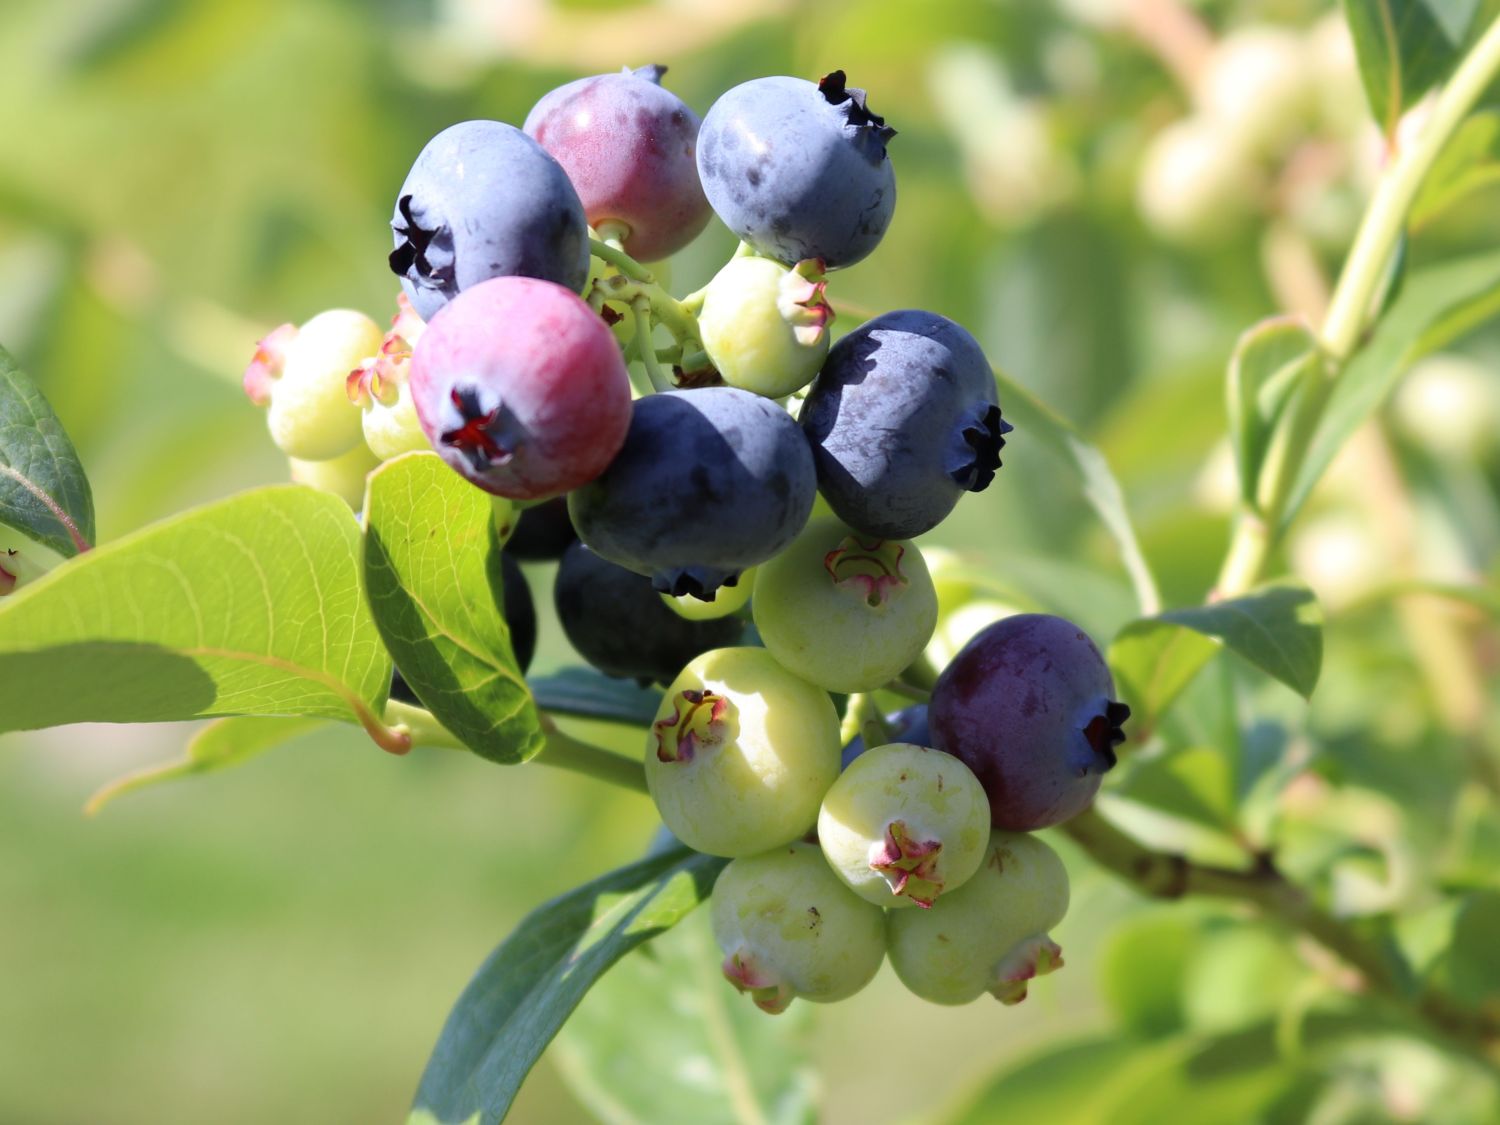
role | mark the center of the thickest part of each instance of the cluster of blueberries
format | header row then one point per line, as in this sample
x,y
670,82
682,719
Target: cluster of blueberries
x,y
670,454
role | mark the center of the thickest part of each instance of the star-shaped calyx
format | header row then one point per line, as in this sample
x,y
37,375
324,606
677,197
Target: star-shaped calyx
x,y
700,720
871,567
908,863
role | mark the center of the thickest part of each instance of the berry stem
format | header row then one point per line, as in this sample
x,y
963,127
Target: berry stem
x,y
1169,876
907,691
563,751
641,309
611,254
1257,533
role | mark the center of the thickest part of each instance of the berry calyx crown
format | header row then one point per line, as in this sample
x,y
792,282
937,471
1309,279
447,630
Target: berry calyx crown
x,y
872,567
700,720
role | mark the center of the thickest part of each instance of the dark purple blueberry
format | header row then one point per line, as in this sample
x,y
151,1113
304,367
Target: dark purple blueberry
x,y
484,200
628,146
799,169
903,421
543,532
709,483
620,625
907,725
1029,706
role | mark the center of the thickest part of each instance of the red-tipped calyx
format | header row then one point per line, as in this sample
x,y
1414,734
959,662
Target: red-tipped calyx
x,y
474,437
768,992
908,864
870,566
268,363
802,301
1036,956
699,721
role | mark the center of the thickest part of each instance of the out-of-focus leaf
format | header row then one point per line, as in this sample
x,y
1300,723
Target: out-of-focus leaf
x,y
1034,420
219,745
1468,968
250,606
590,694
1141,970
1405,47
1193,783
1152,665
1469,162
536,977
1266,367
44,493
1278,628
692,1049
1237,976
1436,306
432,564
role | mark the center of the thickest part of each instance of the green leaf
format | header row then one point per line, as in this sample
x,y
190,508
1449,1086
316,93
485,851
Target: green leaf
x,y
1033,419
1265,369
248,606
1192,783
1468,967
1278,628
530,984
589,694
432,565
1153,665
1469,162
44,493
692,1050
1436,306
1142,969
216,746
1405,47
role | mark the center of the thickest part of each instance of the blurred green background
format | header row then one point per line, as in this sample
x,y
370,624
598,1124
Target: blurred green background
x,y
282,942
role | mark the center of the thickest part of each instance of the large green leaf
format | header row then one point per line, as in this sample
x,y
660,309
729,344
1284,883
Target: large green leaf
x,y
692,1050
1470,161
218,745
530,984
432,564
249,606
1405,47
44,493
1266,366
1034,420
1278,628
1436,306
589,694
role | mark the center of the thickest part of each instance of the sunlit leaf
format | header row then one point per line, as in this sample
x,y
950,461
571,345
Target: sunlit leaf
x,y
219,745
432,564
250,606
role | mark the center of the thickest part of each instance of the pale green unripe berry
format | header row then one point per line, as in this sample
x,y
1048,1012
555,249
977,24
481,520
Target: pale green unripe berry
x,y
788,928
990,935
844,610
344,476
741,753
391,430
727,599
1258,89
311,416
765,327
904,825
389,417
1193,186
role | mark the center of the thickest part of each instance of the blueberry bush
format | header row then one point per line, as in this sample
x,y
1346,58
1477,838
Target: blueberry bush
x,y
1075,584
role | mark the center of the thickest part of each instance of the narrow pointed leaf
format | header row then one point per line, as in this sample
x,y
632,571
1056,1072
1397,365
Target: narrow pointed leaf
x,y
1405,47
248,606
1264,370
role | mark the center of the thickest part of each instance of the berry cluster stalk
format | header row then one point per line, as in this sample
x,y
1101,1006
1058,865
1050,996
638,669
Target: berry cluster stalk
x,y
1257,532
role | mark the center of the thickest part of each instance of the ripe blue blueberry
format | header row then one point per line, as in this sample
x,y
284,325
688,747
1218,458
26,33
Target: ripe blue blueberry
x,y
903,420
621,626
1029,706
799,169
484,200
708,483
